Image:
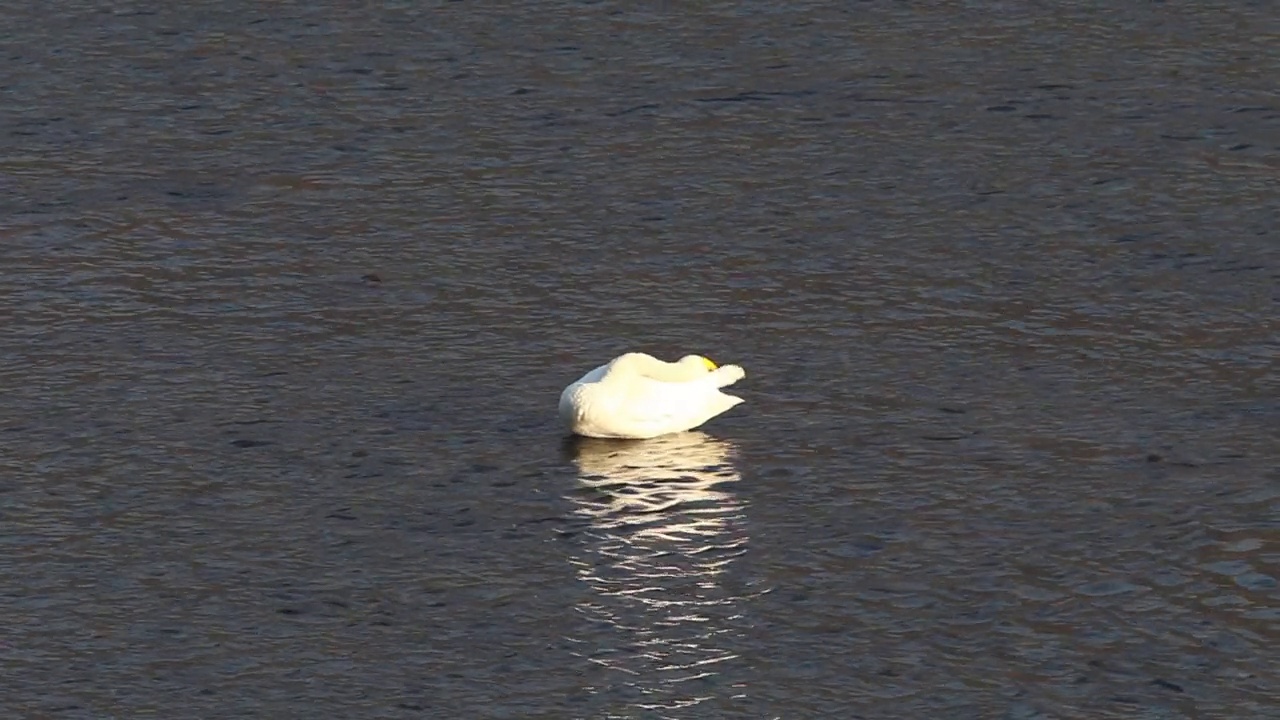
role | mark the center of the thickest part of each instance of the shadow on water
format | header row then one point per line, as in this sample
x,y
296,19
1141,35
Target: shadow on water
x,y
661,526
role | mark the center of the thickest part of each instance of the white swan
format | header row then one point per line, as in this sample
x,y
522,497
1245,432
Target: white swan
x,y
637,396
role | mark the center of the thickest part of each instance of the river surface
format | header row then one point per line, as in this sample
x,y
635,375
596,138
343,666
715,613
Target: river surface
x,y
288,292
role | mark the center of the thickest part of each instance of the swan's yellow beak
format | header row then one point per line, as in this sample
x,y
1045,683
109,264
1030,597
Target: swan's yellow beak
x,y
707,360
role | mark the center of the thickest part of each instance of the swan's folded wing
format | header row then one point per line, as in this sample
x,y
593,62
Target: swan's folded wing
x,y
653,406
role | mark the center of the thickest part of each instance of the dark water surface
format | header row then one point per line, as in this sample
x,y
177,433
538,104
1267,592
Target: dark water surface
x,y
288,292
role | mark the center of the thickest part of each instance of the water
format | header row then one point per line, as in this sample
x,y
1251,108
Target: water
x,y
289,294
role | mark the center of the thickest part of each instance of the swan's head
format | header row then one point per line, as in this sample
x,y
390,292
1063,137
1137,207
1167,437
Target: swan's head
x,y
698,361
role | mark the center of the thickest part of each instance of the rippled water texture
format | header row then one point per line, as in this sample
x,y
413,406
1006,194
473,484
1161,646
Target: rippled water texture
x,y
289,291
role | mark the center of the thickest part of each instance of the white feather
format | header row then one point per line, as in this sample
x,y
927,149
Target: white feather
x,y
638,396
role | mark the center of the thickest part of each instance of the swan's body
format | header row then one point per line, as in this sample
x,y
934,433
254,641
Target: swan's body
x,y
637,396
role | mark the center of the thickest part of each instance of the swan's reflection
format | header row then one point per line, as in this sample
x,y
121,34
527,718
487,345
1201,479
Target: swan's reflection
x,y
662,528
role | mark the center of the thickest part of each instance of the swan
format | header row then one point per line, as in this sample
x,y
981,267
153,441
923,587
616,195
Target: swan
x,y
637,396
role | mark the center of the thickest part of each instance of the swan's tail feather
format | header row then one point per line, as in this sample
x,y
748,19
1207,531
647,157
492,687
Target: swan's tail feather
x,y
728,401
727,375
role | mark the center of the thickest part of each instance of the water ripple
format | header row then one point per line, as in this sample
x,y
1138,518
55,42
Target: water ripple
x,y
660,529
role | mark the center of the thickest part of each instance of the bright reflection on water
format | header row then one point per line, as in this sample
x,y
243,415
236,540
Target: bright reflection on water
x,y
662,528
